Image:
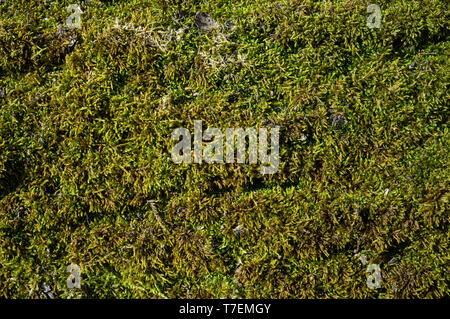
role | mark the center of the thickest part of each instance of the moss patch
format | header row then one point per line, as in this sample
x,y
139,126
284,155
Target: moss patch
x,y
86,177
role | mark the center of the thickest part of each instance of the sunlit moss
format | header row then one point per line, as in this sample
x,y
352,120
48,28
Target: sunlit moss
x,y
86,176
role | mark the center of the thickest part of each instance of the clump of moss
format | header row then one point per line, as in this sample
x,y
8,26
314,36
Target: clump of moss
x,y
86,177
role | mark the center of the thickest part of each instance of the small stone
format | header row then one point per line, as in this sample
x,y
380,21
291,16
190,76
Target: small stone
x,y
337,120
204,21
2,93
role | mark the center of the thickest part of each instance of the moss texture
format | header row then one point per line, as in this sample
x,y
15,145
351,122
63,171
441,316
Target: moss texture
x,y
86,176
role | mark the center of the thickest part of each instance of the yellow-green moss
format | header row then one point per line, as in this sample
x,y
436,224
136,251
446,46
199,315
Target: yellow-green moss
x,y
86,175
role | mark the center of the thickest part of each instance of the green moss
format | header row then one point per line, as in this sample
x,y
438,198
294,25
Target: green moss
x,y
86,176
